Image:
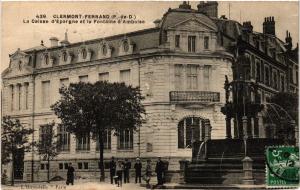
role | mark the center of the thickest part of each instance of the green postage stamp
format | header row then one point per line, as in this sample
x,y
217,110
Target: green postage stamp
x,y
282,167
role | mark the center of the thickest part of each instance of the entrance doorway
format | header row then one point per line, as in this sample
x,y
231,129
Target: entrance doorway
x,y
19,164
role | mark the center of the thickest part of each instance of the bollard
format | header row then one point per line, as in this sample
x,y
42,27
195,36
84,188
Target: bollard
x,y
248,171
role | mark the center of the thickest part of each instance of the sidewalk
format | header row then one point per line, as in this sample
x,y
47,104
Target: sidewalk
x,y
78,185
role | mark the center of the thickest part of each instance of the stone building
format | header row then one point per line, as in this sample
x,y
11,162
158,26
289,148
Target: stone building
x,y
180,66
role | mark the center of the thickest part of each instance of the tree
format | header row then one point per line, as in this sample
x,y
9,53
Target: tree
x,y
86,108
14,137
48,145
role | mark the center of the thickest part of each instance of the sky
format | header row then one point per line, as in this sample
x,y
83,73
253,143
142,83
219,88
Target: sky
x,y
17,34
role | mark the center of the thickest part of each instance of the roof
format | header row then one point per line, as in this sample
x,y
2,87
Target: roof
x,y
178,15
40,47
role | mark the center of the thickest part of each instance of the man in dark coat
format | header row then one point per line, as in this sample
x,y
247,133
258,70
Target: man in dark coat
x,y
159,169
112,169
70,174
127,166
138,170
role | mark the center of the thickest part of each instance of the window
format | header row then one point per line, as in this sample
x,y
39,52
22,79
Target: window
x,y
44,166
275,82
84,53
20,65
271,77
83,142
104,50
26,95
178,77
282,83
291,75
19,96
12,97
267,79
45,94
191,43
206,42
65,56
297,78
274,54
106,141
125,139
192,77
262,72
125,76
80,165
206,76
104,76
45,132
177,41
61,166
63,138
257,44
125,46
189,130
66,166
64,82
86,165
83,78
46,59
252,64
258,78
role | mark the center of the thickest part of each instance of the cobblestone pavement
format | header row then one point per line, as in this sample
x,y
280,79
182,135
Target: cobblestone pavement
x,y
79,185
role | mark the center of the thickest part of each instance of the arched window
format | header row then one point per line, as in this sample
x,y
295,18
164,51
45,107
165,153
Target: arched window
x,y
125,46
190,129
65,56
84,53
46,58
20,65
104,50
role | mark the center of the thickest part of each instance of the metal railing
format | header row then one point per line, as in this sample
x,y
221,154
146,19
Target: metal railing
x,y
194,96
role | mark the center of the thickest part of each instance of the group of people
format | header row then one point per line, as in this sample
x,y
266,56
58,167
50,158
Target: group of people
x,y
118,169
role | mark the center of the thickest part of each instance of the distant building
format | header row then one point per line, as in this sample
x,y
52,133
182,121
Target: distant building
x,y
180,66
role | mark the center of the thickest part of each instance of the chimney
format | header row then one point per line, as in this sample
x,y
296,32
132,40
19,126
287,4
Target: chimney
x,y
288,41
247,26
157,23
185,5
54,41
269,26
209,8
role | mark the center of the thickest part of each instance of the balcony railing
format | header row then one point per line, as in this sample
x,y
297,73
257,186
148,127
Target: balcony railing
x,y
194,96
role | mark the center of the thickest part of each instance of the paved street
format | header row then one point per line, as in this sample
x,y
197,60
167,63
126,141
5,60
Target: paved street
x,y
79,185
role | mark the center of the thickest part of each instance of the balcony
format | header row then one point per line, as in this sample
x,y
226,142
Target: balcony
x,y
194,96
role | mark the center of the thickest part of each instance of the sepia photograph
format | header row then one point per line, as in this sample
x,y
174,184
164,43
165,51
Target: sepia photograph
x,y
149,95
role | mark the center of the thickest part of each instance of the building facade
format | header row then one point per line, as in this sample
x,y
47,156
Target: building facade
x,y
180,66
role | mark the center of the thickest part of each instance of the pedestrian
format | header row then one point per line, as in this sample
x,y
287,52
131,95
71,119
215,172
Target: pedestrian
x,y
4,177
112,169
148,173
70,174
119,169
138,170
159,169
127,166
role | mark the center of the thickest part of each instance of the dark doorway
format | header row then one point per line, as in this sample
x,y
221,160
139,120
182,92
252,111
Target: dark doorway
x,y
19,164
